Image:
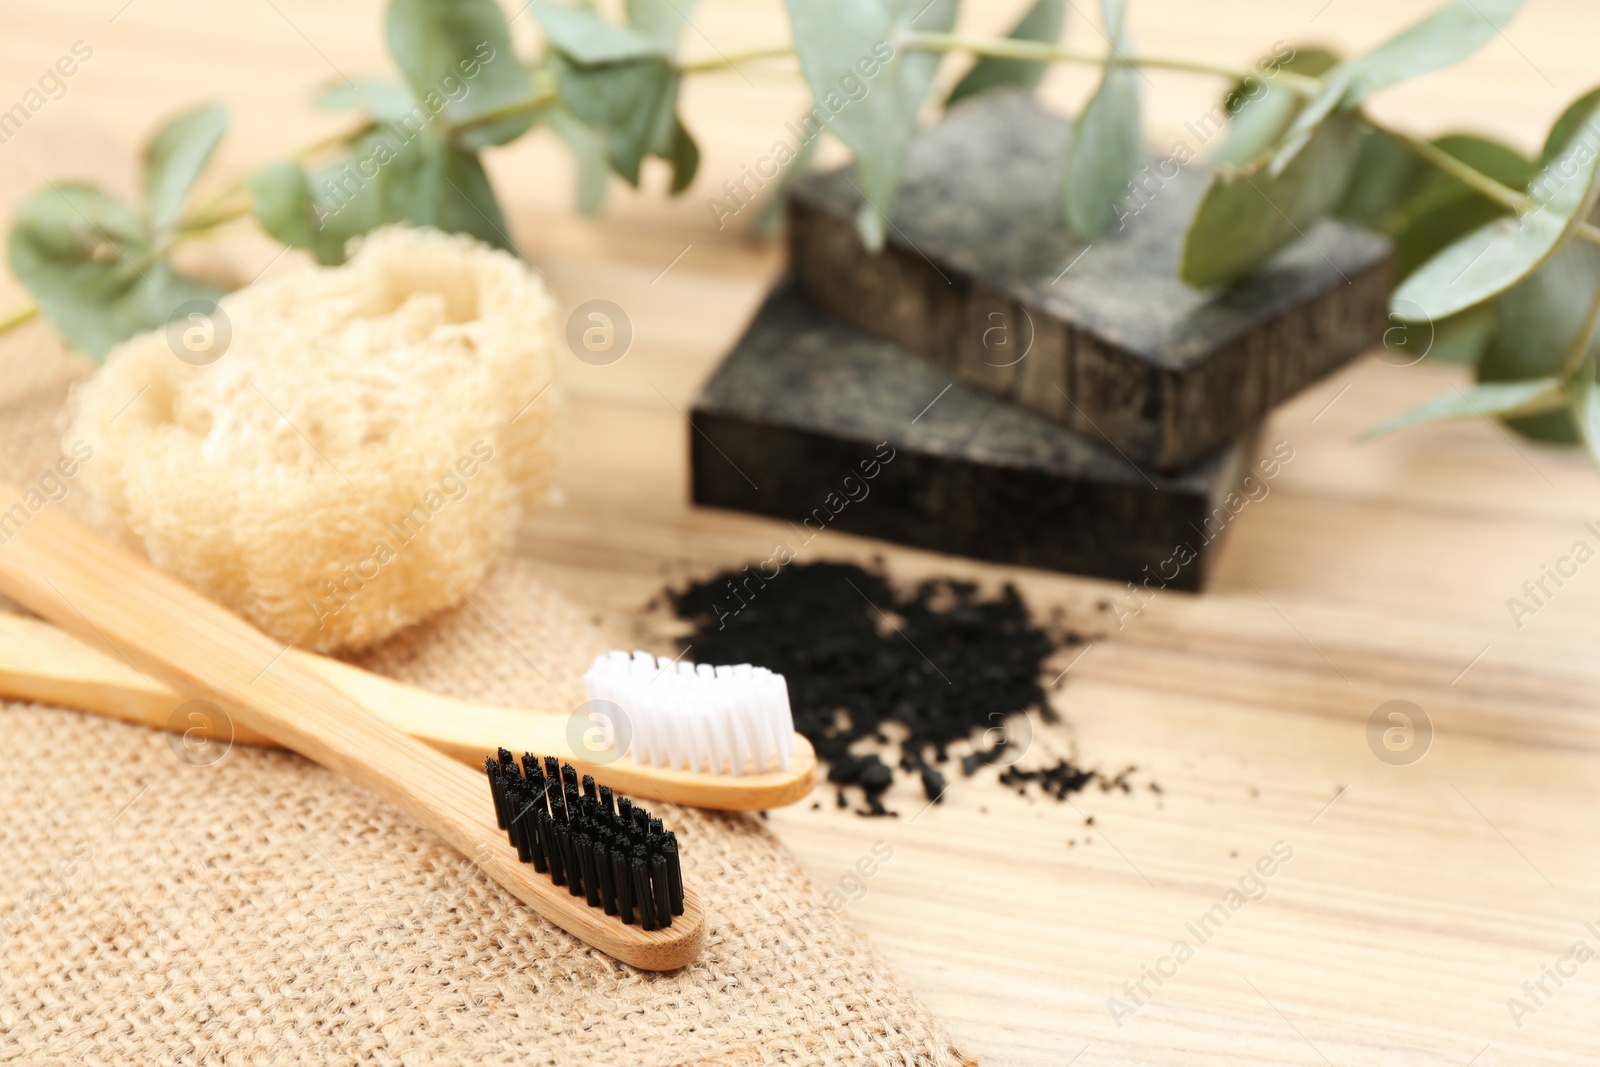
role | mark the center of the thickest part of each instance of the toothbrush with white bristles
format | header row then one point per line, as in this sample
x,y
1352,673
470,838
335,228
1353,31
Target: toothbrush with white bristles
x,y
699,718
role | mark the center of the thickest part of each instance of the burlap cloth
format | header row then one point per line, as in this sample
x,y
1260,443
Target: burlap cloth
x,y
264,911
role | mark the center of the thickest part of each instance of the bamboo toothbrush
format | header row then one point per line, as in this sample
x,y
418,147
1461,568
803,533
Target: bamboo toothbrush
x,y
111,599
40,662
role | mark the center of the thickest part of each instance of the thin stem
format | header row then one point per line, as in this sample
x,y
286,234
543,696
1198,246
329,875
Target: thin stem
x,y
1040,52
542,99
1476,180
18,316
702,66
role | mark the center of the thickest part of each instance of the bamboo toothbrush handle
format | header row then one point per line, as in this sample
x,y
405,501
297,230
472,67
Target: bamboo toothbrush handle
x,y
40,662
118,603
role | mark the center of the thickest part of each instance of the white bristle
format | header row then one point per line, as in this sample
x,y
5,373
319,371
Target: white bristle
x,y
719,720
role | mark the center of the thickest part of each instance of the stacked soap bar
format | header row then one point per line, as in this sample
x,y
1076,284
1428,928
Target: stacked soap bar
x,y
1048,402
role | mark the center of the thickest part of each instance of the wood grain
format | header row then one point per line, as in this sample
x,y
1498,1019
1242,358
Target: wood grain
x,y
1412,910
112,600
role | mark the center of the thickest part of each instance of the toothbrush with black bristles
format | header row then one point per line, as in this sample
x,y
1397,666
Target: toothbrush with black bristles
x,y
616,856
103,594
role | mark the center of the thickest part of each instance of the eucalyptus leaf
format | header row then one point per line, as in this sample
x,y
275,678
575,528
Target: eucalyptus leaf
x,y
1443,38
1423,208
578,32
661,21
280,200
627,100
1260,109
1498,255
92,267
174,158
1570,122
684,155
1041,22
588,148
1463,338
1107,141
1500,398
384,101
852,43
1584,406
1248,215
1541,321
457,59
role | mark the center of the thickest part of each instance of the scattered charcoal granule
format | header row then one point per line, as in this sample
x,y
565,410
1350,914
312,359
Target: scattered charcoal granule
x,y
1155,787
940,660
932,784
1065,778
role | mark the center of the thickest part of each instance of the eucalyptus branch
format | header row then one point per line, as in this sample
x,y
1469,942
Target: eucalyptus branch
x,y
517,108
728,62
1476,180
1038,51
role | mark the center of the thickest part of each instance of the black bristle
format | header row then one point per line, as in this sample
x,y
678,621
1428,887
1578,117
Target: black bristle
x,y
674,873
496,790
603,848
620,874
642,897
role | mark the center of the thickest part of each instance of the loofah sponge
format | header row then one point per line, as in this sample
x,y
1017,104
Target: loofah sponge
x,y
359,454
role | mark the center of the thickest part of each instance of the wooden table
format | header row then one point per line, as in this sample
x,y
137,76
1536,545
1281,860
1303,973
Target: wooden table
x,y
1418,898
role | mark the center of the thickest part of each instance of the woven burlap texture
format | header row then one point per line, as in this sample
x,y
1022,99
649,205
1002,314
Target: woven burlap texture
x,y
261,910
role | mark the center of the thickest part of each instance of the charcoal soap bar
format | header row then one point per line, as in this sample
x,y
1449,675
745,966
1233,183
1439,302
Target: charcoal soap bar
x,y
979,268
816,422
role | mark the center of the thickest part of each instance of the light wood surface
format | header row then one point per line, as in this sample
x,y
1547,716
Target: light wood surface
x,y
122,606
39,662
1418,900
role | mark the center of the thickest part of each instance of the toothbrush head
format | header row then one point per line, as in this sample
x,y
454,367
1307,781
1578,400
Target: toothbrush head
x,y
672,713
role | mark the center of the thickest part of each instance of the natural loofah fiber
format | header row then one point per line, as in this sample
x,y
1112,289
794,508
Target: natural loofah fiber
x,y
356,457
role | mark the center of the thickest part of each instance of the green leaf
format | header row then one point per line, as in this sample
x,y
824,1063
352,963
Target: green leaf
x,y
174,158
1584,400
1247,215
1261,109
626,100
1387,177
389,174
1445,37
1465,337
457,60
582,35
1107,141
384,101
660,21
845,43
1570,122
1500,398
1541,321
588,148
1041,22
91,266
1496,256
684,155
